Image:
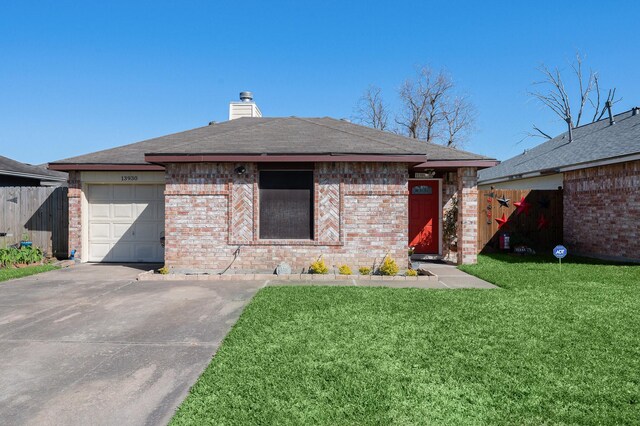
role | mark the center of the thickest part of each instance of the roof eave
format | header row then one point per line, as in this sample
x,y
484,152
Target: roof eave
x,y
33,176
437,164
282,158
65,167
561,169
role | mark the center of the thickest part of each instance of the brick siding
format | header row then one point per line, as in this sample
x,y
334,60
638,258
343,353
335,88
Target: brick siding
x,y
467,215
75,214
602,210
361,214
211,212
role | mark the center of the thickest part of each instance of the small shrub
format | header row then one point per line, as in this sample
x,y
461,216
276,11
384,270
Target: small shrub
x,y
364,270
345,270
411,273
388,267
318,267
164,270
12,256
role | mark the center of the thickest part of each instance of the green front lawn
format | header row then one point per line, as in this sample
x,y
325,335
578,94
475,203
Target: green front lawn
x,y
548,348
11,273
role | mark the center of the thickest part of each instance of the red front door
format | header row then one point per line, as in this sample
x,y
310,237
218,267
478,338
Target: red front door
x,y
424,222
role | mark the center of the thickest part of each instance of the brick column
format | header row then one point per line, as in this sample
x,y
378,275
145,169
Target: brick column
x,y
467,215
75,214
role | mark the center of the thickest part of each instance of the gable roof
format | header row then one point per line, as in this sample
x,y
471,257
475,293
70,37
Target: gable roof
x,y
284,136
592,142
15,168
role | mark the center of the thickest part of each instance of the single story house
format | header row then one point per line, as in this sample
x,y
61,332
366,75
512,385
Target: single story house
x,y
598,169
251,192
15,173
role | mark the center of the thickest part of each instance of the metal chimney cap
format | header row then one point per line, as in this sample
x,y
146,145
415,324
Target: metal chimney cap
x,y
246,96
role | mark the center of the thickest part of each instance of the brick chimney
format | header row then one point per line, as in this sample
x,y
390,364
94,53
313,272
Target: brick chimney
x,y
245,108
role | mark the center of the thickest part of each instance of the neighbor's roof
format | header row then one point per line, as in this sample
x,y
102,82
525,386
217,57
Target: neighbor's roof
x,y
274,136
15,168
592,142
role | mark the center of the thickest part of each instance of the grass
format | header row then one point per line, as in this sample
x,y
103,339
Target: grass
x,y
549,348
12,273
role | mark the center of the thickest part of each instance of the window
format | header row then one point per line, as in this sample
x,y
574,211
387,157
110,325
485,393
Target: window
x,y
286,204
422,190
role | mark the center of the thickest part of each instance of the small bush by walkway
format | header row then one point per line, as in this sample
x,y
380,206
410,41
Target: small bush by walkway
x,y
550,349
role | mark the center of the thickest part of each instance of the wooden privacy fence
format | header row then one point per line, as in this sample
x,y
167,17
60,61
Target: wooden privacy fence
x,y
532,218
40,212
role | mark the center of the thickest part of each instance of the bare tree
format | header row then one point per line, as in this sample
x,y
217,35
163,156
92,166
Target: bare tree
x,y
371,109
429,109
414,103
424,101
554,95
459,117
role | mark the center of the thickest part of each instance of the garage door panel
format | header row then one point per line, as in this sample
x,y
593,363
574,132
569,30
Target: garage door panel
x,y
126,223
123,211
101,192
146,231
146,192
145,252
100,211
146,211
123,193
100,231
122,252
123,231
160,212
99,251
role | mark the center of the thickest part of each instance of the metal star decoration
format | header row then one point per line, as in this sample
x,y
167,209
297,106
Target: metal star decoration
x,y
502,222
504,201
523,206
543,222
544,203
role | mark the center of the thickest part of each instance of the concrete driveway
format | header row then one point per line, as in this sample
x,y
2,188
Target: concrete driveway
x,y
90,345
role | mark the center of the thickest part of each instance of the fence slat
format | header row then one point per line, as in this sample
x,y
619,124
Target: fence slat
x,y
41,212
540,228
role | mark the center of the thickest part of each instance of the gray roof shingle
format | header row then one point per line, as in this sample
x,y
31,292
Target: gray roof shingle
x,y
286,135
591,142
16,168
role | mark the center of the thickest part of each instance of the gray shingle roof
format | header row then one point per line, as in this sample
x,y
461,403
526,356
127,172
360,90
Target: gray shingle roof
x,y
591,142
16,168
287,135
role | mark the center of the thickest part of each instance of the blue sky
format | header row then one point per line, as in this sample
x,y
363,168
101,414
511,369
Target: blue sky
x,y
77,77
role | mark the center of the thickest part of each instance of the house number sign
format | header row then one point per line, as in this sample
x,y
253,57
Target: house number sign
x,y
129,178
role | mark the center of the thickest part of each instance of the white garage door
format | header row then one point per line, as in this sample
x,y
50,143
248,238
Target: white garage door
x,y
126,223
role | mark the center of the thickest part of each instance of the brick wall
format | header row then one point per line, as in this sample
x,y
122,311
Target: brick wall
x,y
211,212
602,210
467,215
75,214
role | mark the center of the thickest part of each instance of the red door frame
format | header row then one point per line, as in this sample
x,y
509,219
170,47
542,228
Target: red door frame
x,y
439,218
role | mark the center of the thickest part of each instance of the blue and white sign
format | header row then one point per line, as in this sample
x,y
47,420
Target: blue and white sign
x,y
560,252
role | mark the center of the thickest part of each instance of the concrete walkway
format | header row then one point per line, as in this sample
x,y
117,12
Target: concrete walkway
x,y
451,277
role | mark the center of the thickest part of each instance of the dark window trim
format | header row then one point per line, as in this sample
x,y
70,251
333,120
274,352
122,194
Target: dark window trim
x,y
301,167
285,167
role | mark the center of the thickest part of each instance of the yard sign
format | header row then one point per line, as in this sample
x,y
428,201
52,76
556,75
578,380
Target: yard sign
x,y
560,252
